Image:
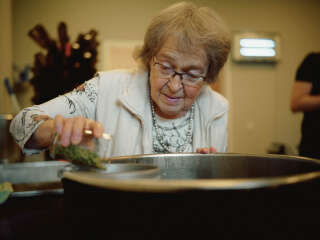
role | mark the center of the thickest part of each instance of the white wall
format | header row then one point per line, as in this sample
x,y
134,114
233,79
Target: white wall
x,y
260,92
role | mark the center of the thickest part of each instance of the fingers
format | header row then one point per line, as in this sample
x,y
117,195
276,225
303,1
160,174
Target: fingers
x,y
212,150
96,127
203,150
71,130
66,132
206,150
58,122
98,130
77,129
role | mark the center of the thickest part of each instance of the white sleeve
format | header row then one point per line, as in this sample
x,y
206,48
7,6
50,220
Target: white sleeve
x,y
80,102
218,133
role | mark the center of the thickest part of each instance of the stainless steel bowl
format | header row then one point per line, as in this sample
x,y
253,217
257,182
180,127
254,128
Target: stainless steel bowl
x,y
33,178
113,171
38,178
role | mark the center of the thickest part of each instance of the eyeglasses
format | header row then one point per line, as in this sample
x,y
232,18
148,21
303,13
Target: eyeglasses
x,y
166,71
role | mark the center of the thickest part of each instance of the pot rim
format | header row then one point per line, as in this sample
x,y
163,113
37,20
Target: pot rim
x,y
171,185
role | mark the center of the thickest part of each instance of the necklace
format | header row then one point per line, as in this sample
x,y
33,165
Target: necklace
x,y
161,135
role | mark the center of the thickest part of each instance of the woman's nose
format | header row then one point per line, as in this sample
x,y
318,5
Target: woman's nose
x,y
175,83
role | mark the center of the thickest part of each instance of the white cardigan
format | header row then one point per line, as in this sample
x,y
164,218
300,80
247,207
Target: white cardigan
x,y
119,100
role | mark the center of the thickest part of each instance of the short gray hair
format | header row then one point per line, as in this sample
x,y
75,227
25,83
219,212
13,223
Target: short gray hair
x,y
194,26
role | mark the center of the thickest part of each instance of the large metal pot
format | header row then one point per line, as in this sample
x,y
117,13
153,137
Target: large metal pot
x,y
227,195
9,150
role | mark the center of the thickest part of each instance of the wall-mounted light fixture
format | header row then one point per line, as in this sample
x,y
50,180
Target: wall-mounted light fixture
x,y
255,47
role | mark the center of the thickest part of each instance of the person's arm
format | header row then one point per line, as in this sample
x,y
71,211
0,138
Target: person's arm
x,y
33,127
70,130
301,99
25,124
42,137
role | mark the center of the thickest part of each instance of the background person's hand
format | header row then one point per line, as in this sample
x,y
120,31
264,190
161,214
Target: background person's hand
x,y
206,150
71,130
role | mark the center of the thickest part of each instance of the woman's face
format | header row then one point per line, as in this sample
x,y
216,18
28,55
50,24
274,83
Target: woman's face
x,y
172,96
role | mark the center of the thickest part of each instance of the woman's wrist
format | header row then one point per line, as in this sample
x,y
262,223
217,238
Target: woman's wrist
x,y
43,136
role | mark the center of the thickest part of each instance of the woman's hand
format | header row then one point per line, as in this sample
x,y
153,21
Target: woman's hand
x,y
206,150
71,130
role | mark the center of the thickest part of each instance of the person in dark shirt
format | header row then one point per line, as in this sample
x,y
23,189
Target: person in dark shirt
x,y
306,98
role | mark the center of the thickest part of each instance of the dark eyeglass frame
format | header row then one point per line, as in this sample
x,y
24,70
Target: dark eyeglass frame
x,y
186,78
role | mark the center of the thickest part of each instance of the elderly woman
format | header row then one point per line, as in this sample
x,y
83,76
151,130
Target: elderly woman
x,y
164,106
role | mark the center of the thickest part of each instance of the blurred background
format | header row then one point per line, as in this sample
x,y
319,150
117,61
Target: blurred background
x,y
259,93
